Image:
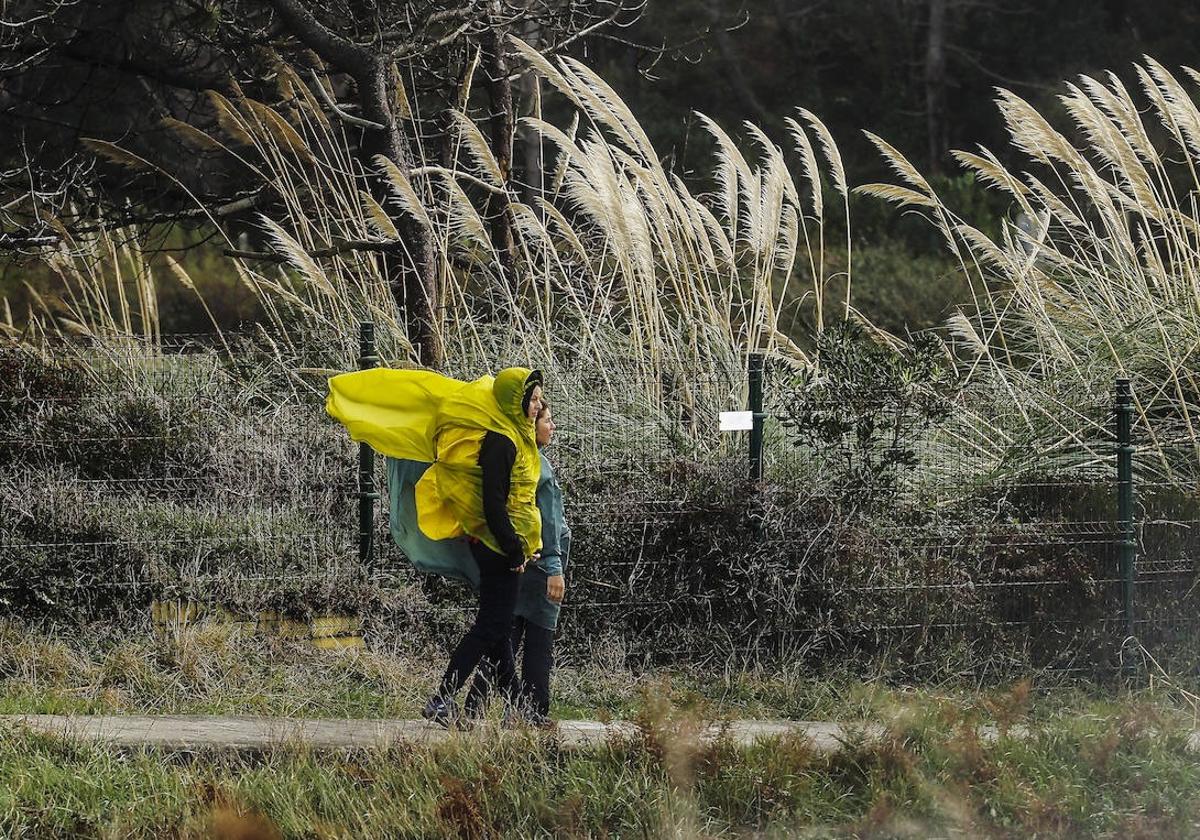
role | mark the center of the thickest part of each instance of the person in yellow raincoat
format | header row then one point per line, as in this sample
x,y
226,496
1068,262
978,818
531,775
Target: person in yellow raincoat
x,y
480,441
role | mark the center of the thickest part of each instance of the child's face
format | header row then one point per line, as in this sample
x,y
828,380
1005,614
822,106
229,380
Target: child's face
x,y
545,428
535,402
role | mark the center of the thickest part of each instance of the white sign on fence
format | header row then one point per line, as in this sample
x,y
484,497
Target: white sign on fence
x,y
737,421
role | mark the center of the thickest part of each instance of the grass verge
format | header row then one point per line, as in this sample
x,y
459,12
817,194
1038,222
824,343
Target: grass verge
x,y
930,777
217,669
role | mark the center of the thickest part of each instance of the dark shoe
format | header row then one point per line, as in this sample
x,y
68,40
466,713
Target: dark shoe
x,y
475,706
440,711
472,717
544,722
515,718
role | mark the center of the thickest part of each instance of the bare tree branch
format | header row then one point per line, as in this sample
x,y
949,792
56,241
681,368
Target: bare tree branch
x,y
349,246
333,106
331,46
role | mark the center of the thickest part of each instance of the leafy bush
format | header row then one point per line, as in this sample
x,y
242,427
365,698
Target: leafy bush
x,y
731,568
130,474
863,409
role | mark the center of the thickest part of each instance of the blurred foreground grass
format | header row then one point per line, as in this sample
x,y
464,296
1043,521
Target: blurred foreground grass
x,y
1087,776
219,669
1096,762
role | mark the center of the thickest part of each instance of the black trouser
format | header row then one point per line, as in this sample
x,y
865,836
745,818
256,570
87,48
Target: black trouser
x,y
489,635
536,662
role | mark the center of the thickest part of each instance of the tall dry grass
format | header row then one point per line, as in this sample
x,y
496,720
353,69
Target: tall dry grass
x,y
628,284
1097,275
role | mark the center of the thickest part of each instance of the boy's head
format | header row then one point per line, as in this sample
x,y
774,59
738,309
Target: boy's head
x,y
545,424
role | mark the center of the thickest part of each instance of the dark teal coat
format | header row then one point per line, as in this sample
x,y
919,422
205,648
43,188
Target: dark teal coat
x,y
452,558
532,602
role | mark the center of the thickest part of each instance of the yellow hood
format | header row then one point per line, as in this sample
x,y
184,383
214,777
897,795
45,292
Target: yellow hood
x,y
424,416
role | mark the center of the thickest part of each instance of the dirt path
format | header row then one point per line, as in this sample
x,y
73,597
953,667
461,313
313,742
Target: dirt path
x,y
182,732
193,732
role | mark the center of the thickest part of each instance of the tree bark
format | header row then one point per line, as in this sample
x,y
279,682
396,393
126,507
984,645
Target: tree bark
x,y
935,86
503,125
533,175
411,271
411,276
733,63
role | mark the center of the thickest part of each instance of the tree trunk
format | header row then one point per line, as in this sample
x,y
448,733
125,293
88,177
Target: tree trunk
x,y
935,86
733,63
503,126
411,276
534,175
529,86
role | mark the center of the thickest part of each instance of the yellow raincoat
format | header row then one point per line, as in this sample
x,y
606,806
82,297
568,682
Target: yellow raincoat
x,y
424,416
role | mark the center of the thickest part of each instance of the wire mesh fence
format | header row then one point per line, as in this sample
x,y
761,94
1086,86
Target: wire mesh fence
x,y
204,468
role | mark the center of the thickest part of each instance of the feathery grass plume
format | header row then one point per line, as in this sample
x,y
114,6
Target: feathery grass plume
x,y
281,130
193,136
1118,104
401,103
465,225
1100,275
115,154
809,158
298,257
991,171
1179,105
300,96
566,230
403,191
560,168
470,136
731,171
899,163
830,149
544,68
897,195
378,217
230,121
185,280
616,108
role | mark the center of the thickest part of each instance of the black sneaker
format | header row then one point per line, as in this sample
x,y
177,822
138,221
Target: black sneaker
x,y
515,718
440,711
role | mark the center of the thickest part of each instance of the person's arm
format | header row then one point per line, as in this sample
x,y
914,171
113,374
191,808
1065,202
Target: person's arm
x,y
555,536
549,500
497,454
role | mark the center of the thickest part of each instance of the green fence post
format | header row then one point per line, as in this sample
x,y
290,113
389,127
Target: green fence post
x,y
366,458
756,408
1126,535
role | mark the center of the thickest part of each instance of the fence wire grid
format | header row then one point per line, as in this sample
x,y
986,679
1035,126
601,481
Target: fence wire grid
x,y
206,469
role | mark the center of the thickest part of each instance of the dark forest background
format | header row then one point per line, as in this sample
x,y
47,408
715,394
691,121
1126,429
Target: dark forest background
x,y
920,73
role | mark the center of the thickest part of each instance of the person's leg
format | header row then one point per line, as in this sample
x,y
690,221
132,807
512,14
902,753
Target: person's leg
x,y
516,698
536,663
505,680
518,631
493,622
479,693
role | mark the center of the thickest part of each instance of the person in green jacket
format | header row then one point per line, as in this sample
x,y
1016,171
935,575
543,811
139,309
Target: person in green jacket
x,y
541,587
539,601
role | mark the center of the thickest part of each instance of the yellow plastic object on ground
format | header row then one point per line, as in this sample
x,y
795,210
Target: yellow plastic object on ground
x,y
283,626
327,632
174,614
423,416
337,632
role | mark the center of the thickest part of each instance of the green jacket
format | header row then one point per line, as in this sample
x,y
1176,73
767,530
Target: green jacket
x,y
452,558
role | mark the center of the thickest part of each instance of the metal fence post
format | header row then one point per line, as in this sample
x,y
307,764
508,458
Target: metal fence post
x,y
756,408
366,458
1126,535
